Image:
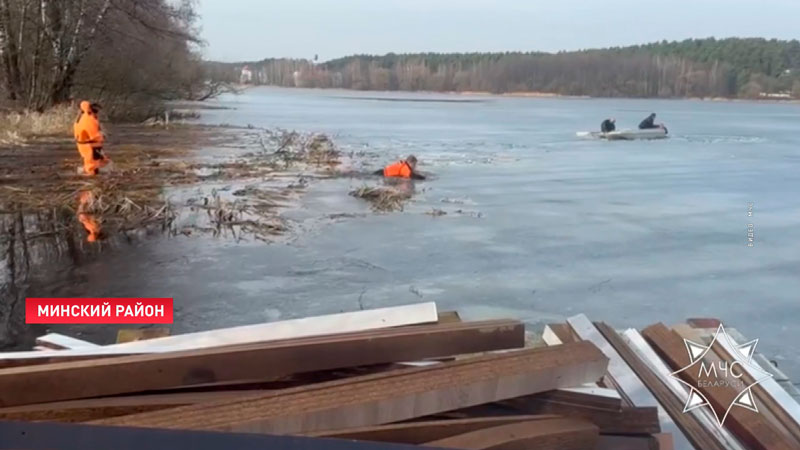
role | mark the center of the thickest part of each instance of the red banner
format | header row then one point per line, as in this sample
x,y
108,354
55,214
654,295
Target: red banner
x,y
98,310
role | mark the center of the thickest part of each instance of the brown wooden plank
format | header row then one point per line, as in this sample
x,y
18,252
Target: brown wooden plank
x,y
425,431
582,398
390,397
688,424
773,411
99,408
629,420
751,428
563,332
62,436
555,434
113,376
704,322
665,441
140,334
449,317
616,442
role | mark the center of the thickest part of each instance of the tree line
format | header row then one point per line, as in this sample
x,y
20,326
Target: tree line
x,y
127,54
692,68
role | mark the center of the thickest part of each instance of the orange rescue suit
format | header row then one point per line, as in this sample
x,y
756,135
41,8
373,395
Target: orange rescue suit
x,y
89,139
88,221
399,169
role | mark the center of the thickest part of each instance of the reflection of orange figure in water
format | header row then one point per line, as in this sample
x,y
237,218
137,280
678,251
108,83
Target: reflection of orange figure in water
x,y
90,139
88,220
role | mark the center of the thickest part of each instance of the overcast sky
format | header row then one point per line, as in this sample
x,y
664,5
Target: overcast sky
x,y
237,30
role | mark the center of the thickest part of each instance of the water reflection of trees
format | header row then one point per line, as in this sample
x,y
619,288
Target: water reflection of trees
x,y
29,243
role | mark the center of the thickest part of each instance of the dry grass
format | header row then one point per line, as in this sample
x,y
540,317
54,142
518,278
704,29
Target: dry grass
x,y
383,199
18,128
131,195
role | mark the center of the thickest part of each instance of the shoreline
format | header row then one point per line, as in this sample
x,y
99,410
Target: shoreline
x,y
197,182
526,94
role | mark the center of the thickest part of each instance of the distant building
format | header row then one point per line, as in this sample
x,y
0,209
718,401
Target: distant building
x,y
298,78
246,76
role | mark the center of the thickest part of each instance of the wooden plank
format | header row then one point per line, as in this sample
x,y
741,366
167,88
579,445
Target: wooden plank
x,y
558,333
397,316
57,341
86,410
683,427
561,333
704,322
643,420
665,441
111,376
595,391
630,385
59,436
585,398
752,430
778,402
449,317
555,434
425,431
141,334
637,343
765,364
98,408
390,397
614,442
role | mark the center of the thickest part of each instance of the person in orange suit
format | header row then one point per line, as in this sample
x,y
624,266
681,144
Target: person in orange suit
x,y
402,169
88,220
89,138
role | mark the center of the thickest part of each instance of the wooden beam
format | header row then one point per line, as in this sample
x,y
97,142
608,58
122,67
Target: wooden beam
x,y
704,322
665,441
59,436
111,376
561,333
624,377
425,431
629,420
630,385
779,404
449,317
390,397
397,316
594,397
750,427
683,427
99,408
555,434
706,421
86,410
558,333
141,334
55,341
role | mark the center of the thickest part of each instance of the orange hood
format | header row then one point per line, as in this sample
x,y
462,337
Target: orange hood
x,y
86,107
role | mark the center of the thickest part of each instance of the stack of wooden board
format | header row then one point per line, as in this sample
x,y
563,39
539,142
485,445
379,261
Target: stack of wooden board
x,y
389,378
683,371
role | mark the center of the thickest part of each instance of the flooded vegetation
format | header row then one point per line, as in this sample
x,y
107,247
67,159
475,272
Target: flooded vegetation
x,y
219,181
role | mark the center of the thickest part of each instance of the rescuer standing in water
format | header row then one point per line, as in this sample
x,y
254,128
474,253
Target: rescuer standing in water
x,y
89,138
402,169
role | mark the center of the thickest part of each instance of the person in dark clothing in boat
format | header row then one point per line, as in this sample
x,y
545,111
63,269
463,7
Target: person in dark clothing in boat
x,y
649,123
608,125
